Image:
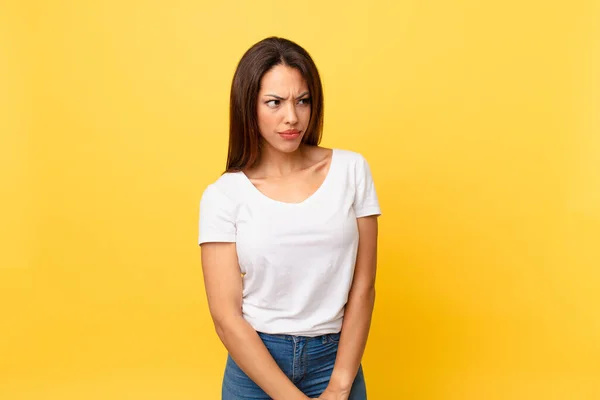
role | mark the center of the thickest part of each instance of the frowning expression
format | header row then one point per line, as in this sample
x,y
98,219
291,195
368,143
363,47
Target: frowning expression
x,y
283,108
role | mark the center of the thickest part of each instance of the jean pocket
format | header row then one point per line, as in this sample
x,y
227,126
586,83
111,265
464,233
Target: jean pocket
x,y
333,337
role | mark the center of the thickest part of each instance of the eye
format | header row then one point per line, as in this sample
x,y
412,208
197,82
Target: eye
x,y
304,101
272,103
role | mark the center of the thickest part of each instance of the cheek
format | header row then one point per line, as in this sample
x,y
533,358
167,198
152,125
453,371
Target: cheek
x,y
305,112
267,119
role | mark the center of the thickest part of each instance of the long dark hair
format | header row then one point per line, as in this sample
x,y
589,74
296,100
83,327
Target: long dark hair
x,y
244,135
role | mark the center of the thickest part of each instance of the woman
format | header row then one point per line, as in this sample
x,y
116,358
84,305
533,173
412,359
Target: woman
x,y
289,239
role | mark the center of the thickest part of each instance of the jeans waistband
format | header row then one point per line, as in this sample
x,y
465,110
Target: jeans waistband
x,y
296,338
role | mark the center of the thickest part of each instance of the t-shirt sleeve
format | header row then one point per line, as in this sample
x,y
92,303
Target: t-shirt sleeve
x,y
365,198
217,217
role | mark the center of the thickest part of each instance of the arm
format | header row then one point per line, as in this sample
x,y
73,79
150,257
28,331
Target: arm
x,y
224,291
357,316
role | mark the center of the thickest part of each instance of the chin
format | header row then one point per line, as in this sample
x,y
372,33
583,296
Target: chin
x,y
289,147
286,149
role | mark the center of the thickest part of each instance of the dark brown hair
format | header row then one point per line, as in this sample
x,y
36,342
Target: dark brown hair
x,y
244,135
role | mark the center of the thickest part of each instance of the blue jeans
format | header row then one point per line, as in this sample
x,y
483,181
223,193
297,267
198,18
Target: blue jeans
x,y
307,362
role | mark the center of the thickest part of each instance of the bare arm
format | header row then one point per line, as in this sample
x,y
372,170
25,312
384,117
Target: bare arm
x,y
224,291
359,309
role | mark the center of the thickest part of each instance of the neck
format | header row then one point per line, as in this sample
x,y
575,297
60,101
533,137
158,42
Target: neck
x,y
274,163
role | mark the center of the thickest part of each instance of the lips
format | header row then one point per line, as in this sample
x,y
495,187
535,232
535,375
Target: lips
x,y
290,134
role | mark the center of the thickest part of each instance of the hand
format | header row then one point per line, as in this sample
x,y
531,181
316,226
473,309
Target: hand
x,y
330,394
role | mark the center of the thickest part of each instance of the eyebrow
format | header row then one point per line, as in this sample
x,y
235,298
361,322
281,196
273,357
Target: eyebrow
x,y
281,98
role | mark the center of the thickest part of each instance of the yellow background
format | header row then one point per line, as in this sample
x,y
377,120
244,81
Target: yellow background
x,y
480,121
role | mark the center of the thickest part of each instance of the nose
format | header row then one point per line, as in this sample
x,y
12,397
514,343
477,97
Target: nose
x,y
291,117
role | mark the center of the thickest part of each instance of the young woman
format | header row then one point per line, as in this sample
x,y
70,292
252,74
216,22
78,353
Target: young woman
x,y
289,239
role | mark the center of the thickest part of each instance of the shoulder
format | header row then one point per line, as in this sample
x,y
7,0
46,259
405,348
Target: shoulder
x,y
351,159
227,188
355,166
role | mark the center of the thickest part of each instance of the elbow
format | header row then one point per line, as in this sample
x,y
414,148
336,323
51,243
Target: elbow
x,y
224,323
222,329
219,329
371,295
366,289
363,294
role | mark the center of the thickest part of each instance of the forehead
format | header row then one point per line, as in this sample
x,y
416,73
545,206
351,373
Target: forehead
x,y
282,77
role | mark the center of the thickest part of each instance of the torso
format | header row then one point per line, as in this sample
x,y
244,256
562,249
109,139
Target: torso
x,y
296,241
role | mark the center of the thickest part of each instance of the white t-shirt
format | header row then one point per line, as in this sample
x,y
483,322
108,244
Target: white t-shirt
x,y
297,258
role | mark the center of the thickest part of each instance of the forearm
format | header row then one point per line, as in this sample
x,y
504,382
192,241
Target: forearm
x,y
353,340
250,354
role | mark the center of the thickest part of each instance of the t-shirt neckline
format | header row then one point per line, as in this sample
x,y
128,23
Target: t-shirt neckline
x,y
308,199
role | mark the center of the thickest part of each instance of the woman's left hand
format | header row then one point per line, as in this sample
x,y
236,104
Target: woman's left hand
x,y
330,394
